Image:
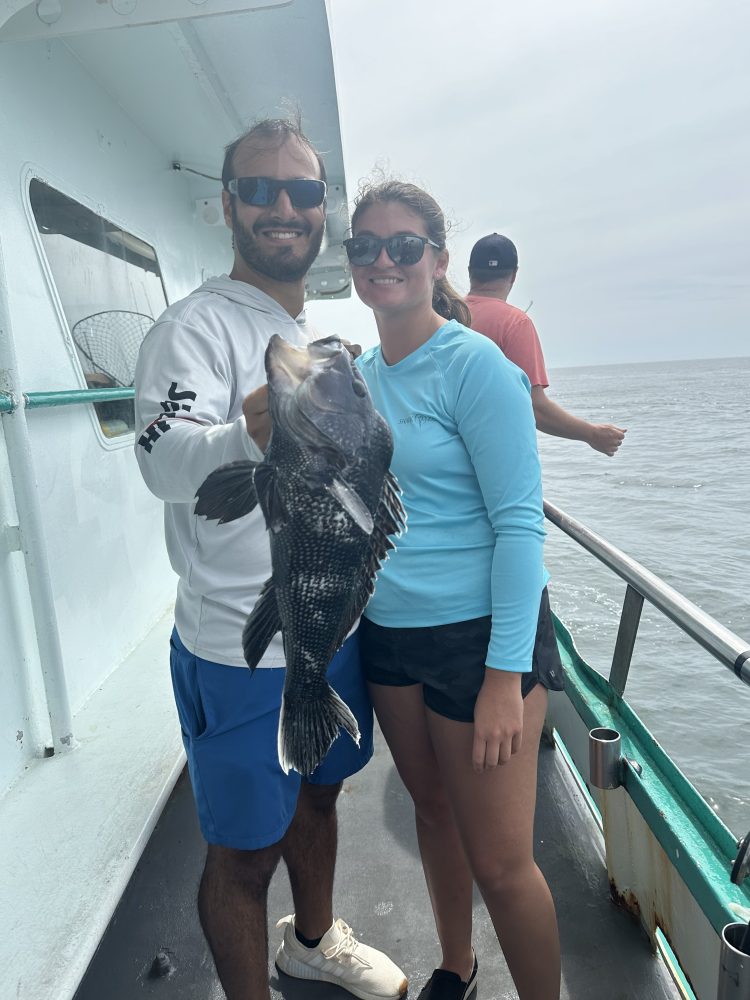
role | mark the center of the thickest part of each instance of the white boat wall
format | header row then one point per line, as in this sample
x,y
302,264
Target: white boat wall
x,y
110,114
113,119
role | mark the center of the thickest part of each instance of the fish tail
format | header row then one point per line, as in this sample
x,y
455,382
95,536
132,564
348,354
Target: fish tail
x,y
307,728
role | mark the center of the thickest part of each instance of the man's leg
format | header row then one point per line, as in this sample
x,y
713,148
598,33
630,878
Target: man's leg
x,y
245,803
310,844
232,910
309,852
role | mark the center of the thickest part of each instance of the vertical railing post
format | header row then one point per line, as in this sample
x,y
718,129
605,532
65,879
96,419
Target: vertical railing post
x,y
30,536
623,654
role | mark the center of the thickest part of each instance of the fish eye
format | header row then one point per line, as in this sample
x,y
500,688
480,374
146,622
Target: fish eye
x,y
359,388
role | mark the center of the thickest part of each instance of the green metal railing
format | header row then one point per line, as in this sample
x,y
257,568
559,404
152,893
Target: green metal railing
x,y
698,844
729,649
67,397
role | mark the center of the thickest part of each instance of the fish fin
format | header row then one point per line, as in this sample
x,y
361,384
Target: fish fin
x,y
390,519
308,727
261,626
228,493
351,502
390,516
269,496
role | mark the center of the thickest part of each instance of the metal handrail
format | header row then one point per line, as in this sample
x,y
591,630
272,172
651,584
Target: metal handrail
x,y
723,644
68,397
727,647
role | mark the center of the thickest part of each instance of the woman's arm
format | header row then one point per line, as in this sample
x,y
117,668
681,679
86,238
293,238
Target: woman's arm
x,y
496,422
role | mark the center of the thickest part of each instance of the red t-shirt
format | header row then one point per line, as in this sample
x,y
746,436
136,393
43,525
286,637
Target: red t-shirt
x,y
512,331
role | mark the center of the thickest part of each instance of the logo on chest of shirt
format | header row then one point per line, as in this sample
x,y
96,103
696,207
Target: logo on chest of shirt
x,y
418,419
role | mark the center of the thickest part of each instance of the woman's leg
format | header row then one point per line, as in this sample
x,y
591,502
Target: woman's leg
x,y
402,717
494,813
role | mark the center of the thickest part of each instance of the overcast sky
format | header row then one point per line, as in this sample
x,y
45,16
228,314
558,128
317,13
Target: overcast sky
x,y
609,140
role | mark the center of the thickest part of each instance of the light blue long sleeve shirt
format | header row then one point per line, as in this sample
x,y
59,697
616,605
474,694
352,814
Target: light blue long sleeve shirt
x,y
465,456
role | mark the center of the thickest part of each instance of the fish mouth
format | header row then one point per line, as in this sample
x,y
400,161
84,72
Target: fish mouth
x,y
316,397
288,366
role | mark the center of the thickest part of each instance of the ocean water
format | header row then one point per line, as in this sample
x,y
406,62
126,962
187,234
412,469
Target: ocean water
x,y
676,497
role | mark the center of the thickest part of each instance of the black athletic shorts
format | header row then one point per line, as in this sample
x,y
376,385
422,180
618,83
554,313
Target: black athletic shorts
x,y
449,660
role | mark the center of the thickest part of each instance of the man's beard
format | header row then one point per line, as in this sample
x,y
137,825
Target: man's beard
x,y
282,265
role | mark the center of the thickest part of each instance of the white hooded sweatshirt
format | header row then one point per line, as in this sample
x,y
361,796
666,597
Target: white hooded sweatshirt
x,y
195,367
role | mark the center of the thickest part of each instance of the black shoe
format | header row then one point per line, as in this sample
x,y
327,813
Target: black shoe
x,y
444,985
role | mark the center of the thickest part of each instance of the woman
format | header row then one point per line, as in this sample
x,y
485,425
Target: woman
x,y
449,635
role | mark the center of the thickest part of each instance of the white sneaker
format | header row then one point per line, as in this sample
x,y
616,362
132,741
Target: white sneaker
x,y
341,959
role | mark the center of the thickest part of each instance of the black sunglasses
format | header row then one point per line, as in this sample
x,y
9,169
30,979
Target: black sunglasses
x,y
404,248
263,191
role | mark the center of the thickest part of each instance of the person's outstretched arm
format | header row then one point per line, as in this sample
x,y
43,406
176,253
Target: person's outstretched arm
x,y
551,418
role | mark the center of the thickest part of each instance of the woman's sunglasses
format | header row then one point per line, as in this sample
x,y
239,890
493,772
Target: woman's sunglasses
x,y
402,249
263,191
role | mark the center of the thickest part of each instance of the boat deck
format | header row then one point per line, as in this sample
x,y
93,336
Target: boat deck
x,y
380,891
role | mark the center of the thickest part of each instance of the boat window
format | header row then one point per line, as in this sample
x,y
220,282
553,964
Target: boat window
x,y
110,288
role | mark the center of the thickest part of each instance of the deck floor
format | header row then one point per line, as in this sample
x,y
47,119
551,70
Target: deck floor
x,y
380,891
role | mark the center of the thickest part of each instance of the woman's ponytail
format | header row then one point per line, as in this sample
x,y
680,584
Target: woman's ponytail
x,y
448,303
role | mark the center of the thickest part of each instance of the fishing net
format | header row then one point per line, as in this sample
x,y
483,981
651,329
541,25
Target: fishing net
x,y
108,343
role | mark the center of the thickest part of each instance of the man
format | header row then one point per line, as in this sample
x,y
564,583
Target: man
x,y
194,369
493,266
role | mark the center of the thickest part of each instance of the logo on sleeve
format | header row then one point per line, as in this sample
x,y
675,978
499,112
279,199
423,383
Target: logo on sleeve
x,y
170,406
173,404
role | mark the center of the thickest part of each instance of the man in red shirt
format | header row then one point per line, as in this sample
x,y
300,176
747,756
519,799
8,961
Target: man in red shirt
x,y
493,266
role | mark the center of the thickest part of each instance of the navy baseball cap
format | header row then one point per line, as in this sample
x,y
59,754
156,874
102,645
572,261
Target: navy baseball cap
x,y
493,252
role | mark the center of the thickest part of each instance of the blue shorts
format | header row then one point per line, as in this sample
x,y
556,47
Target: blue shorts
x,y
229,718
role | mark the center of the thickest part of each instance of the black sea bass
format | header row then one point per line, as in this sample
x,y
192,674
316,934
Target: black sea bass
x,y
330,503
